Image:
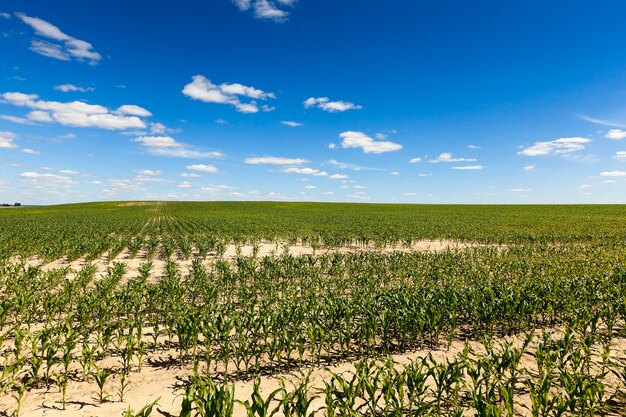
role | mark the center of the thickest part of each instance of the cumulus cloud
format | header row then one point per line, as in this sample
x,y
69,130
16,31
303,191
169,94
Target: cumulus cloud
x,y
305,171
361,140
168,146
150,172
77,113
201,88
59,45
616,134
291,123
46,181
274,160
469,167
6,140
15,119
621,155
325,104
207,169
415,160
29,151
66,88
276,10
338,177
556,147
613,174
447,157
133,110
529,168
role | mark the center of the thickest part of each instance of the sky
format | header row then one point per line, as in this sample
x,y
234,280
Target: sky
x,y
313,100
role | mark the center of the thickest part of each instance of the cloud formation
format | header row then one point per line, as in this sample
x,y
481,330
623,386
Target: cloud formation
x,y
276,10
274,160
168,146
66,88
616,134
325,104
6,140
201,88
207,169
447,157
77,113
59,45
556,147
353,139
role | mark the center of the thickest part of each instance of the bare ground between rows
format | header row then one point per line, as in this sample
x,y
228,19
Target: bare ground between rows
x,y
165,383
103,262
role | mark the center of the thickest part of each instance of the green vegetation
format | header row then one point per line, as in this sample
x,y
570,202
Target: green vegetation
x,y
231,320
92,229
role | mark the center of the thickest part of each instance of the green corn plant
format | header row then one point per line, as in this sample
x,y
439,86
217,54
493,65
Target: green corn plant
x,y
101,377
144,412
259,407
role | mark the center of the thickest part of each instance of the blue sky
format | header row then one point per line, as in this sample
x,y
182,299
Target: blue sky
x,y
315,100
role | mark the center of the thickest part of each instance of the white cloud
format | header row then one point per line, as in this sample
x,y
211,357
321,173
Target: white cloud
x,y
327,193
447,157
74,113
395,173
209,169
473,147
556,147
30,151
46,181
133,110
332,146
359,187
338,177
603,122
68,172
218,189
201,88
6,140
5,15
424,175
359,195
310,187
519,190
529,168
190,175
149,172
274,160
185,184
361,140
65,47
325,104
305,171
584,186
66,88
266,9
291,123
354,167
616,134
415,160
613,174
410,194
469,167
168,146
621,155
15,119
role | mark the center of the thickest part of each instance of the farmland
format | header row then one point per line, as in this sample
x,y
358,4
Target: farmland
x,y
244,309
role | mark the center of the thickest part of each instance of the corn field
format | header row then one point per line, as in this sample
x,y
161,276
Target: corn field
x,y
530,322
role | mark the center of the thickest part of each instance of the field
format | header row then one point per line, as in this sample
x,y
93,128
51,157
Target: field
x,y
302,309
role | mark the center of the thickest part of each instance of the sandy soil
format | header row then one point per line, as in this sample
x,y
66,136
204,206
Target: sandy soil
x,y
152,383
